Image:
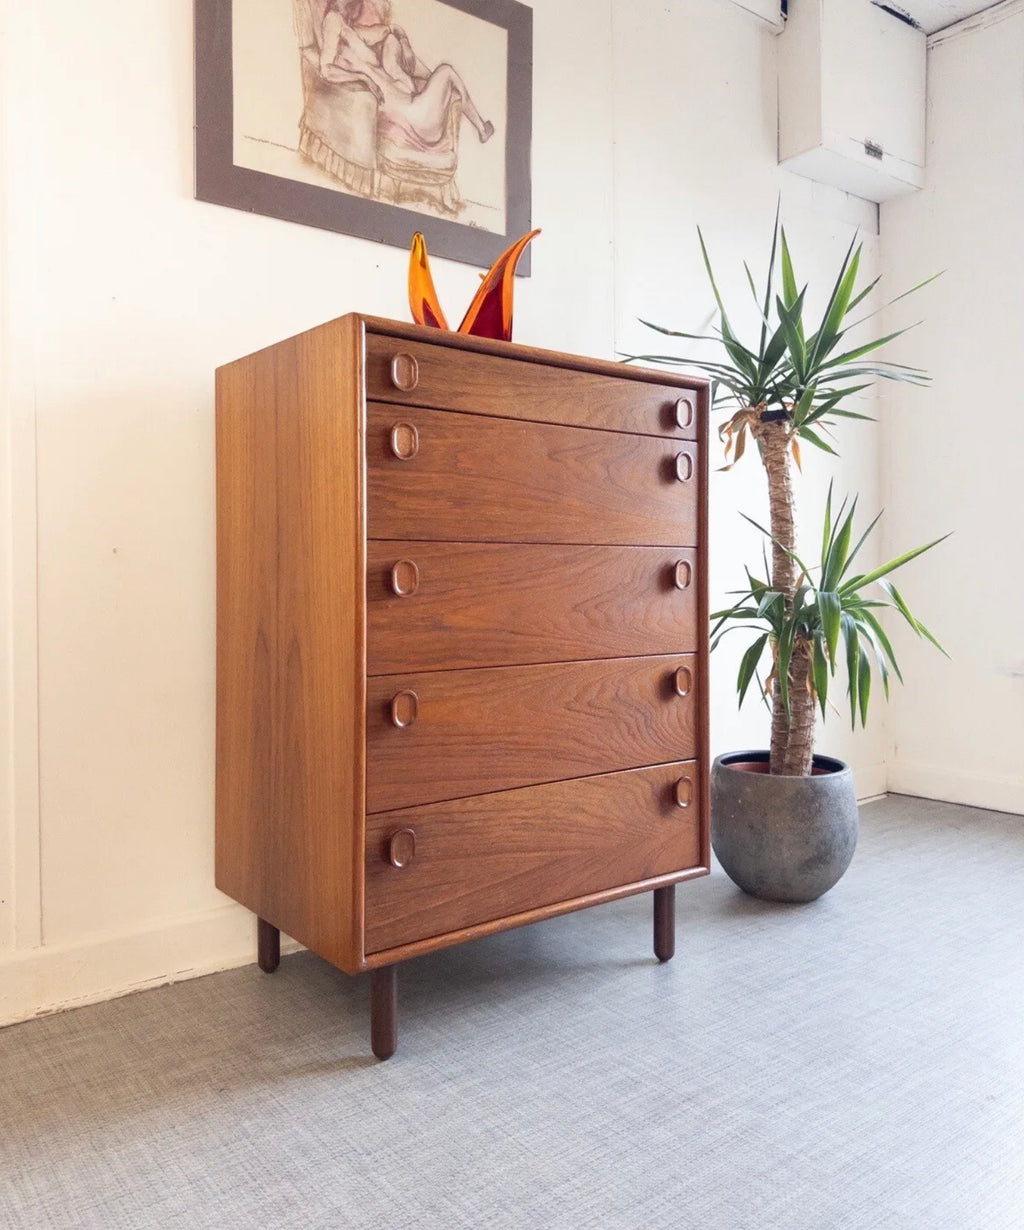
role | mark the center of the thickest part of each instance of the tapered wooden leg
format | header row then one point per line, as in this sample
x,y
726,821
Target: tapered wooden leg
x,y
665,922
384,1011
268,946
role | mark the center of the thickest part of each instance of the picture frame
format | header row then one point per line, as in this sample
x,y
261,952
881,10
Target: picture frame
x,y
368,127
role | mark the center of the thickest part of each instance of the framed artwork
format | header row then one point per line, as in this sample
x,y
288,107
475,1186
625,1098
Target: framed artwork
x,y
375,118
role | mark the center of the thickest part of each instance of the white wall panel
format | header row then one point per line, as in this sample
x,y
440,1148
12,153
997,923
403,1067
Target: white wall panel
x,y
954,455
695,146
125,294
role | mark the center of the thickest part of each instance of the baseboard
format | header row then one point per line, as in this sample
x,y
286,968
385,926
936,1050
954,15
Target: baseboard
x,y
51,979
929,781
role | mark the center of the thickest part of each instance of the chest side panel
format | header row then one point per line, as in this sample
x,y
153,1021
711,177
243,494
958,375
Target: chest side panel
x,y
291,617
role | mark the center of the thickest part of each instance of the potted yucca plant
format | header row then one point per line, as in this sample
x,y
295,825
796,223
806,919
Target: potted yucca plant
x,y
784,820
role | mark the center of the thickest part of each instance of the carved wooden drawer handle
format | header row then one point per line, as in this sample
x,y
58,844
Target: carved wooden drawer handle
x,y
684,792
683,681
405,441
684,412
683,574
684,467
405,578
405,372
402,848
405,709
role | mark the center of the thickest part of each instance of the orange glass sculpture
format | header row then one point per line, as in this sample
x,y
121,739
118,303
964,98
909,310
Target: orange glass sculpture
x,y
490,313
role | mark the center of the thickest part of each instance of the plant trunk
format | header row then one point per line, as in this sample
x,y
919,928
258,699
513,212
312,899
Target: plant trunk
x,y
799,746
792,734
773,438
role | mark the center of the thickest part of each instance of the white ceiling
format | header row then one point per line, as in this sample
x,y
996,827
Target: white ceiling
x,y
932,15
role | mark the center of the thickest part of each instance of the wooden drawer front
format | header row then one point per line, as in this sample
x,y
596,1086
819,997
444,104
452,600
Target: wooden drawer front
x,y
495,480
450,379
497,855
433,606
449,734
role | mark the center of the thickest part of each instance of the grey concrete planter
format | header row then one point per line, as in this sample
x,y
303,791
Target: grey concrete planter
x,y
782,838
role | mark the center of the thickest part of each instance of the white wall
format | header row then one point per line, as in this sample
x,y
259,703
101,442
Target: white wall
x,y
695,144
121,294
954,455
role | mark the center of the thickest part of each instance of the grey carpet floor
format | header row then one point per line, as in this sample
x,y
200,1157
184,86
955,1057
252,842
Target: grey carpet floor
x,y
855,1063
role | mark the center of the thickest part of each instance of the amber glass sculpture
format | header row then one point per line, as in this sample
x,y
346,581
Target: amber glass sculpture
x,y
490,313
422,296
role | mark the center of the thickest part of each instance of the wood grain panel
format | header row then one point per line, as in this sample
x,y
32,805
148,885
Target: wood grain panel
x,y
444,378
494,480
704,631
614,369
501,854
247,839
498,604
291,568
482,730
406,952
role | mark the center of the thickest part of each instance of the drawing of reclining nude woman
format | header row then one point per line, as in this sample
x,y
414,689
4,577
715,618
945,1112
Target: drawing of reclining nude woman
x,y
358,41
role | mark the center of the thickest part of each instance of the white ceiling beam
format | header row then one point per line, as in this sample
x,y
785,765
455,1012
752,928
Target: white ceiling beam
x,y
768,11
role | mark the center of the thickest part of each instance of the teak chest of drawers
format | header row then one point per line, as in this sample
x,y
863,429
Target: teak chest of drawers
x,y
461,641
